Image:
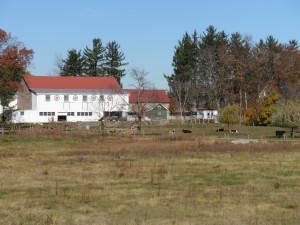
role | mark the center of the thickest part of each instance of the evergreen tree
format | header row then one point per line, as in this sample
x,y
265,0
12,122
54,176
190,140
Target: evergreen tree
x,y
211,67
185,57
72,65
238,64
93,59
182,81
114,60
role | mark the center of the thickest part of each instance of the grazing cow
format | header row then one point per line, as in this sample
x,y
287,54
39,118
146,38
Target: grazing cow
x,y
220,130
280,133
186,131
172,131
234,131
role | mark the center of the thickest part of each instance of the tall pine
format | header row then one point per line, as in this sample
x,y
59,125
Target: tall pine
x,y
114,60
238,62
182,81
72,65
93,59
211,70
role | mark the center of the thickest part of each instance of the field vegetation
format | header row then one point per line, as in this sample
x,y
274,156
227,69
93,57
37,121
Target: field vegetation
x,y
85,177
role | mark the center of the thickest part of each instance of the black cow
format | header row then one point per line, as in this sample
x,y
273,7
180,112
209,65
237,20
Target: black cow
x,y
280,133
220,130
234,131
186,131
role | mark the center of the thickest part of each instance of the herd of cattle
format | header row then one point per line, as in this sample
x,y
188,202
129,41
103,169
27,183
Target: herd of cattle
x,y
278,134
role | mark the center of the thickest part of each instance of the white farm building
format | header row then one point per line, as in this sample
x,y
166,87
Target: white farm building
x,y
56,98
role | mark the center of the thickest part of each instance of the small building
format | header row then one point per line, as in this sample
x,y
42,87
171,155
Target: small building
x,y
153,104
159,112
207,115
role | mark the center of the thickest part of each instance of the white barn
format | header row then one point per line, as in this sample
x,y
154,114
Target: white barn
x,y
56,98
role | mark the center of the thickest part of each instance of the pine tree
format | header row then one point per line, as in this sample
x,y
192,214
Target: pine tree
x,y
238,61
212,47
185,57
93,59
72,65
182,81
114,60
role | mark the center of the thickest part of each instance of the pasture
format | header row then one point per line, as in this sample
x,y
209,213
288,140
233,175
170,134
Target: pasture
x,y
199,178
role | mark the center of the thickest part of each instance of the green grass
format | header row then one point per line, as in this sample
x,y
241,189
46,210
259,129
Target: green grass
x,y
94,179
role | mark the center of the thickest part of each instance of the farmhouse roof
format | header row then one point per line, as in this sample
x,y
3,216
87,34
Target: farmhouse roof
x,y
70,82
148,96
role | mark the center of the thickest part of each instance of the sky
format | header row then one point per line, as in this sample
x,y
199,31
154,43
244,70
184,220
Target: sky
x,y
147,31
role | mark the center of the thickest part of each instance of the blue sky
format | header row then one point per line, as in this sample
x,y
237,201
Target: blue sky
x,y
147,31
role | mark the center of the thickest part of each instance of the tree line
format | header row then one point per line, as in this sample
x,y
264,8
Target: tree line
x,y
210,70
99,60
214,70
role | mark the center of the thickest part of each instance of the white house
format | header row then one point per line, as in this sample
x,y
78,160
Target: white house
x,y
57,98
207,115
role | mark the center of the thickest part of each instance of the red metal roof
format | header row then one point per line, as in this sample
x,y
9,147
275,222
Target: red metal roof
x,y
148,96
68,82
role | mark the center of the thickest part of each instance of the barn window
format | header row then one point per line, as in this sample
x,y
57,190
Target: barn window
x,y
84,98
66,98
101,98
22,113
47,98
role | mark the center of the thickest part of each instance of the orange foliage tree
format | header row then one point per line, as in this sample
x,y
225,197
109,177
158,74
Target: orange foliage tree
x,y
14,60
260,113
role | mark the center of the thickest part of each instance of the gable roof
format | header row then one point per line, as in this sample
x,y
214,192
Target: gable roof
x,y
150,109
148,96
68,82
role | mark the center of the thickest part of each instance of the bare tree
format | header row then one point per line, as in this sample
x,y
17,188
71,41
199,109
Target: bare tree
x,y
105,104
182,91
141,84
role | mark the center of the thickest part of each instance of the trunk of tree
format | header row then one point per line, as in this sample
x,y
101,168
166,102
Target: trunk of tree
x,y
140,124
218,106
3,118
292,133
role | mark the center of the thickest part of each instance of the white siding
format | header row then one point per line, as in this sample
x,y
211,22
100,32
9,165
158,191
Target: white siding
x,y
75,109
34,101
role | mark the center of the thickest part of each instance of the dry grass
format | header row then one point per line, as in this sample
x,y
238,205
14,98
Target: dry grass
x,y
88,179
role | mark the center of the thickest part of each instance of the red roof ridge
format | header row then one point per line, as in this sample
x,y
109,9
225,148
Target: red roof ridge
x,y
71,82
148,95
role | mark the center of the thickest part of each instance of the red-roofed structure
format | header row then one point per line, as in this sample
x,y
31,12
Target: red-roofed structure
x,y
153,104
69,82
55,98
148,96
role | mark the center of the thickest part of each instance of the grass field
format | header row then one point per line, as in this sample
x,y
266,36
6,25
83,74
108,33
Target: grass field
x,y
153,179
